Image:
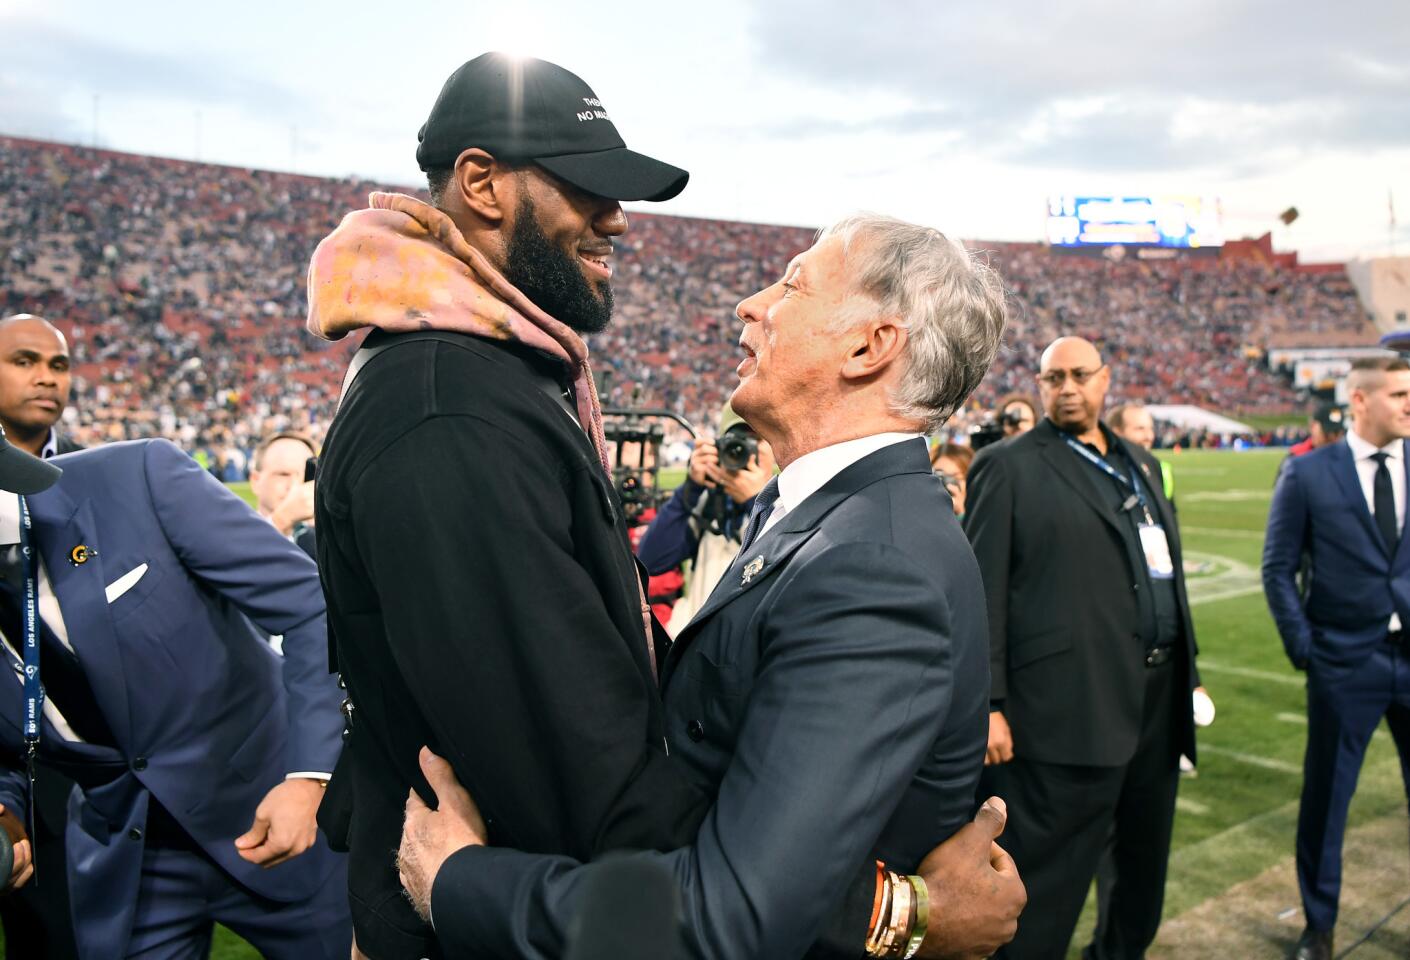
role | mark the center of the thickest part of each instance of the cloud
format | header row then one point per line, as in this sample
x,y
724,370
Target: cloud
x,y
47,61
1082,83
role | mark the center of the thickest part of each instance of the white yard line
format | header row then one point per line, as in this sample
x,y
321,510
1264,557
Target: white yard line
x,y
1229,594
1194,807
1253,760
1213,666
1224,532
1301,720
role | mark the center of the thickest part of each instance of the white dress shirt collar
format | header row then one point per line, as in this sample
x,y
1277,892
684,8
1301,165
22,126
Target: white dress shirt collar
x,y
810,473
1363,449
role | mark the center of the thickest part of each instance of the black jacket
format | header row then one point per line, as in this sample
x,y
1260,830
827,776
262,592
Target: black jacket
x,y
1066,659
483,601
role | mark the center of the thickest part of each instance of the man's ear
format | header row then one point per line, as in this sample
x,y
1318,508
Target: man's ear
x,y
486,187
873,348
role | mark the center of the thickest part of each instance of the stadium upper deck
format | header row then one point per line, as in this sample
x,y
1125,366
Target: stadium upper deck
x,y
181,286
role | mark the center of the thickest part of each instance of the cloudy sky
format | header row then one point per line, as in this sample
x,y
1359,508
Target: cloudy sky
x,y
960,115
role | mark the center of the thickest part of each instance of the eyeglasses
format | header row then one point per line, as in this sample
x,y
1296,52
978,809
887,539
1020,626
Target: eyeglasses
x,y
1056,378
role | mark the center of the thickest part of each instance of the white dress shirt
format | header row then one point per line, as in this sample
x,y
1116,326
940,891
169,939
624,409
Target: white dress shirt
x,y
1362,451
810,473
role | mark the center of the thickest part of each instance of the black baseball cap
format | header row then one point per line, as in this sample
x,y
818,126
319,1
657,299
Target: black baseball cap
x,y
1332,417
522,109
22,472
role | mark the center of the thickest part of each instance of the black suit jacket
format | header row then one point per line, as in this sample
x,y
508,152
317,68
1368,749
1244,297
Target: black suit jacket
x,y
1066,661
831,695
483,601
63,444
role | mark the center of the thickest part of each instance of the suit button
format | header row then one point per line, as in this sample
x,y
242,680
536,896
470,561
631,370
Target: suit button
x,y
1135,588
135,833
139,764
695,730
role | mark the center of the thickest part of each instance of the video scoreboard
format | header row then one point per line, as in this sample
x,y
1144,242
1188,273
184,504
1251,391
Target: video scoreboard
x,y
1177,222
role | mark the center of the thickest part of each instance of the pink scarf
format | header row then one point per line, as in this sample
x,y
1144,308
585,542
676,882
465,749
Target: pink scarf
x,y
402,265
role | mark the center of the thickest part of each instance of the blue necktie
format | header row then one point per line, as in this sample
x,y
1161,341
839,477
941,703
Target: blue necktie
x,y
763,506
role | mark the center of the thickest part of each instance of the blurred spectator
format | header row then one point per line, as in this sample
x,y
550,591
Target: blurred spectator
x,y
1133,422
1326,425
950,462
282,495
1017,414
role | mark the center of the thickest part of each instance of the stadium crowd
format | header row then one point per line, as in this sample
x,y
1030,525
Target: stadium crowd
x,y
181,287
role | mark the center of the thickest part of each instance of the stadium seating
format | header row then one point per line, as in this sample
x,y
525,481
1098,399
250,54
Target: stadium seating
x,y
181,286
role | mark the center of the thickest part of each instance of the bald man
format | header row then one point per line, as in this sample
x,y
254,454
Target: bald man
x,y
1092,660
35,380
34,390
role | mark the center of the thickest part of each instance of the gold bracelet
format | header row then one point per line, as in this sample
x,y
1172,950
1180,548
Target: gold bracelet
x,y
922,915
883,918
896,931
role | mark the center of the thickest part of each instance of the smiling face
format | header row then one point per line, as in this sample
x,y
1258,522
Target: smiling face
x,y
559,252
34,376
794,339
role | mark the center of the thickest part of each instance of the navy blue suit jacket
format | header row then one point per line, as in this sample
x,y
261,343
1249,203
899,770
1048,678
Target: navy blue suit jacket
x,y
1355,583
207,717
832,694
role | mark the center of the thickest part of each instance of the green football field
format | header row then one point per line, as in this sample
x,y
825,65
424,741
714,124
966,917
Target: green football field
x,y
1235,822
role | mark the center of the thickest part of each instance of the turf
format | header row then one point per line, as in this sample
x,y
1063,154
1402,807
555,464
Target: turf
x,y
1237,817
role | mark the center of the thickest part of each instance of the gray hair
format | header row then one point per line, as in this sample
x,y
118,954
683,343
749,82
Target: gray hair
x,y
952,305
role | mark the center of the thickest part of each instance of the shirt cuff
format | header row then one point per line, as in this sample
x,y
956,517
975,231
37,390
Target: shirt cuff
x,y
309,775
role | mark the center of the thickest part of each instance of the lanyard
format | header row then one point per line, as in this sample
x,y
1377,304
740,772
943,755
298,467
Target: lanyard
x,y
1134,483
33,689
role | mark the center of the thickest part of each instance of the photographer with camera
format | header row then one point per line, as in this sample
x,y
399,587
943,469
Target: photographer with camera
x,y
950,462
281,478
704,521
1017,414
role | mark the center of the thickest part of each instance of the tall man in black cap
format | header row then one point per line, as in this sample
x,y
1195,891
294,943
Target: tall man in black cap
x,y
481,590
1092,659
483,598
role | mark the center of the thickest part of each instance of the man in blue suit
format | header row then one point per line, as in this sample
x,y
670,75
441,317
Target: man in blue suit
x,y
199,752
1344,506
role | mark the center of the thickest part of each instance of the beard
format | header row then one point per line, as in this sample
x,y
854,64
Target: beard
x,y
552,279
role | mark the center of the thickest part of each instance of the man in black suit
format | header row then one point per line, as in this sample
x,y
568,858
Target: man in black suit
x,y
831,695
35,381
1092,659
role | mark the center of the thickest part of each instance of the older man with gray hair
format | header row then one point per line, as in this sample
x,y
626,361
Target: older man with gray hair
x,y
832,693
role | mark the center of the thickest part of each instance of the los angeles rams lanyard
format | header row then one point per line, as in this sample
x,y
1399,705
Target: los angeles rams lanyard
x,y
33,689
1138,495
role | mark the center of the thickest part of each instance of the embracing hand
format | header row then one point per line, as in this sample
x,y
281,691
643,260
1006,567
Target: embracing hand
x,y
431,836
976,894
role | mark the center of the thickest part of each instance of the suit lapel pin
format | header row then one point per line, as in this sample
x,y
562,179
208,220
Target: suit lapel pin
x,y
81,554
751,568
